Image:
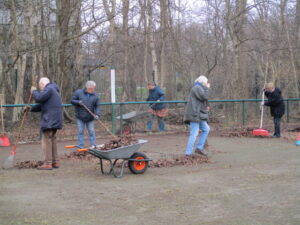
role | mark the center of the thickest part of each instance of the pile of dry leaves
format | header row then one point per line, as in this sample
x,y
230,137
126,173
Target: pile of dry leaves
x,y
178,161
28,164
118,142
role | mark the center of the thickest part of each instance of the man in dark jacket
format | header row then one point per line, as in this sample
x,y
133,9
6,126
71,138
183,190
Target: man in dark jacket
x,y
276,104
156,109
50,106
196,115
86,98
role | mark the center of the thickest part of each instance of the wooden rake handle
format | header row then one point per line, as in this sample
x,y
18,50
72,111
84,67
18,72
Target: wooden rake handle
x,y
102,124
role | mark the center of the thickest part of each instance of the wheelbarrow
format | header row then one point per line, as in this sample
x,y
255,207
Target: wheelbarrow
x,y
137,161
130,119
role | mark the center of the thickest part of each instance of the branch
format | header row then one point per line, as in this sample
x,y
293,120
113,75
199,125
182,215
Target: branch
x,y
14,63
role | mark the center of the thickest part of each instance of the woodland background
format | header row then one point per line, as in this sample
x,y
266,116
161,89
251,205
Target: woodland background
x,y
237,44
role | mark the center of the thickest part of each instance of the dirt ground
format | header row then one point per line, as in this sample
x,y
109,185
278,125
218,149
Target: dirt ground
x,y
248,181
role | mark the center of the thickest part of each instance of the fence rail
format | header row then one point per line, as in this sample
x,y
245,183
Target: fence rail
x,y
122,104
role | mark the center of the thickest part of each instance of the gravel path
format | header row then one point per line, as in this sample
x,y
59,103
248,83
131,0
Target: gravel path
x,y
249,181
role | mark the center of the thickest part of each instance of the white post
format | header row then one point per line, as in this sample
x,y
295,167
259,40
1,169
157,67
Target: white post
x,y
113,84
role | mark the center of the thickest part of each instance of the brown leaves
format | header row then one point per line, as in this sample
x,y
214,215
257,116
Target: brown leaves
x,y
78,156
28,164
119,142
237,132
178,161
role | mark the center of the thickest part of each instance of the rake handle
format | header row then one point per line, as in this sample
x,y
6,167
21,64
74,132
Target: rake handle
x,y
262,110
25,114
2,121
102,124
22,122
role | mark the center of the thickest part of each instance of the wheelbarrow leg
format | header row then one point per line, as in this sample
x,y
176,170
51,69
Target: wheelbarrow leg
x,y
121,171
101,166
112,167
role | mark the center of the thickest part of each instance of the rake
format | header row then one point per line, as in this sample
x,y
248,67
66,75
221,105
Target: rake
x,y
9,162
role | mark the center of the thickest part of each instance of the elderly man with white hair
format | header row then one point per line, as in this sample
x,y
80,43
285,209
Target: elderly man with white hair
x,y
276,104
86,98
196,115
50,106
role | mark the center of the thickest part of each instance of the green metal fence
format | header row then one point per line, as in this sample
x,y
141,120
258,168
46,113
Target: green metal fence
x,y
118,108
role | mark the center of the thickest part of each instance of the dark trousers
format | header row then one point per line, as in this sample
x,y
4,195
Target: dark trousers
x,y
277,126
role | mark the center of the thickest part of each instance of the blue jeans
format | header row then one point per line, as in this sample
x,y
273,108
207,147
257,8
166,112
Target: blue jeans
x,y
194,131
91,131
160,120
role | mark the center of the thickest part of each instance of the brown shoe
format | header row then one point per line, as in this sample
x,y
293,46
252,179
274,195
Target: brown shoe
x,y
206,145
200,152
45,166
55,165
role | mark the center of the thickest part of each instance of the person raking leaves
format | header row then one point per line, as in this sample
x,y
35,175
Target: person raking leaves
x,y
158,110
276,104
50,105
88,98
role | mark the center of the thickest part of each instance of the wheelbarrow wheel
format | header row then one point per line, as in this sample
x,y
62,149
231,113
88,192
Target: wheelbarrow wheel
x,y
126,129
138,167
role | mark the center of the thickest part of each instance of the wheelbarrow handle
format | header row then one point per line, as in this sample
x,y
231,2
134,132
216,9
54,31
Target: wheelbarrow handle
x,y
82,150
70,146
76,146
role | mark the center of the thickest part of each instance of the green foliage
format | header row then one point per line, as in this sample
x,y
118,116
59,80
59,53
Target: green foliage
x,y
142,93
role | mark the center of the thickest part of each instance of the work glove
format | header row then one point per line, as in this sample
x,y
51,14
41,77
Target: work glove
x,y
27,109
96,117
158,100
80,102
33,88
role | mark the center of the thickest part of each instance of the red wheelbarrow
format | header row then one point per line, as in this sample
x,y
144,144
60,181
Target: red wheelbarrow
x,y
137,161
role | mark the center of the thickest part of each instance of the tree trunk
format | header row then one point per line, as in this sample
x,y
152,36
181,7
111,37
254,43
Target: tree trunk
x,y
152,43
144,16
126,80
290,47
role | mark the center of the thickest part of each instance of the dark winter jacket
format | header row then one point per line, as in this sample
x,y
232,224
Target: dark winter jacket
x,y
89,100
275,101
197,105
154,95
50,106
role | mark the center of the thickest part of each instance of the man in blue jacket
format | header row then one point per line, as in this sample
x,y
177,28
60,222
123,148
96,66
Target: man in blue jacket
x,y
86,98
50,106
156,109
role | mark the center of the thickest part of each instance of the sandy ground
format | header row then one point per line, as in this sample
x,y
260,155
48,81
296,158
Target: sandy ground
x,y
249,181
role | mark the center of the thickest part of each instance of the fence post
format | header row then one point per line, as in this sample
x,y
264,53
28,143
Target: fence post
x,y
2,102
243,111
287,111
121,118
113,118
